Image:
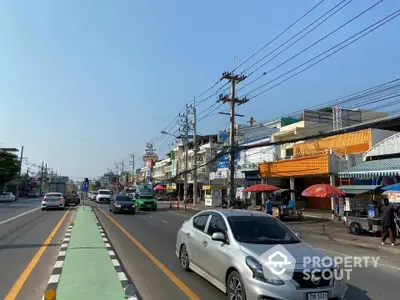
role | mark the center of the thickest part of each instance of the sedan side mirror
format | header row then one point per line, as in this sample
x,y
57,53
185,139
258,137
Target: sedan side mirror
x,y
299,235
218,236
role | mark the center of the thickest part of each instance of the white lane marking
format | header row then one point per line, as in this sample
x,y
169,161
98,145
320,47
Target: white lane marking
x,y
164,221
150,217
62,253
66,239
64,245
347,255
111,253
107,245
122,276
178,214
18,216
115,262
54,278
105,239
59,264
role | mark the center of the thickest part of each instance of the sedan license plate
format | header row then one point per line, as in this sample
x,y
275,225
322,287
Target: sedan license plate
x,y
318,296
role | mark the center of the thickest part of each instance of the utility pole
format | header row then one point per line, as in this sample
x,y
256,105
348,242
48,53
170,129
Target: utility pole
x,y
194,152
132,161
185,185
233,79
116,165
20,161
41,178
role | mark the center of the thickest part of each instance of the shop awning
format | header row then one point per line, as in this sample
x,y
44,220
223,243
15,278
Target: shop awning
x,y
374,168
361,189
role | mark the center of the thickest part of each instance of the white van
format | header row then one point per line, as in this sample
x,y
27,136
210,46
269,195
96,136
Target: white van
x,y
103,196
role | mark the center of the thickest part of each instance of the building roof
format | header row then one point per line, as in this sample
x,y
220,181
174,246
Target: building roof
x,y
374,168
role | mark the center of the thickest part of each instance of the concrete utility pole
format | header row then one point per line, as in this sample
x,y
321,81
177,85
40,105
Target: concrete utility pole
x,y
132,162
185,185
232,101
41,178
20,161
195,149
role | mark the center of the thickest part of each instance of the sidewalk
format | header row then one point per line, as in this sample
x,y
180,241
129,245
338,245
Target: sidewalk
x,y
335,231
312,227
88,272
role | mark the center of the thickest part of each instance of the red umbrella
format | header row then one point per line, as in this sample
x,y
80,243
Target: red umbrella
x,y
159,188
322,191
261,188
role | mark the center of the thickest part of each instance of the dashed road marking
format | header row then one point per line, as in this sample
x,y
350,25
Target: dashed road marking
x,y
114,259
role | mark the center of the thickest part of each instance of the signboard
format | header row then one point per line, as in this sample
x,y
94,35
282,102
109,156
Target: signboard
x,y
85,187
223,136
223,161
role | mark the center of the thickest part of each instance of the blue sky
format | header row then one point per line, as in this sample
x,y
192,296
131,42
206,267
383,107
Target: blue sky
x,y
85,83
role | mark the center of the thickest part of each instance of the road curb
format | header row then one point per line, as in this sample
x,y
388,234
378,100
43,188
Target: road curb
x,y
54,279
119,269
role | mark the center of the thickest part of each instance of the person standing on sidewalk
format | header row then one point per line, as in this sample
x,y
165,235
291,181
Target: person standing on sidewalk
x,y
268,205
387,222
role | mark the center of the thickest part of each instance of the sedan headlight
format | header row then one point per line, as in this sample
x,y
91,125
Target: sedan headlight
x,y
257,269
117,205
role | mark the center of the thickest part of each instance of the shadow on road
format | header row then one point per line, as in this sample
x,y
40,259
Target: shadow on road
x,y
24,246
355,293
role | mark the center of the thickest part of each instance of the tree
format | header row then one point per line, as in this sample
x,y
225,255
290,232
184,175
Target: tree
x,y
95,186
9,167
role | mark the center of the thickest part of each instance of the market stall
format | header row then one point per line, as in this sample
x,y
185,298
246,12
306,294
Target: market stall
x,y
360,208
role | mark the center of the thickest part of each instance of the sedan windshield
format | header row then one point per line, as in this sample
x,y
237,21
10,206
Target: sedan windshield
x,y
261,230
123,199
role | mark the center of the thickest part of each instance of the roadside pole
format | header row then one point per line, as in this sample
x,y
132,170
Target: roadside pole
x,y
232,100
194,153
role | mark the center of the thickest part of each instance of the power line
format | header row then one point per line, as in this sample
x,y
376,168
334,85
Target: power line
x,y
308,47
299,39
386,20
279,35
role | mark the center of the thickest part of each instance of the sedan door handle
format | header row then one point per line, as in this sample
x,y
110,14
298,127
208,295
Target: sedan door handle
x,y
204,243
188,235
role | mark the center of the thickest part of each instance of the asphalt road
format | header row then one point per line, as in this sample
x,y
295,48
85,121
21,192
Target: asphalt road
x,y
145,243
23,230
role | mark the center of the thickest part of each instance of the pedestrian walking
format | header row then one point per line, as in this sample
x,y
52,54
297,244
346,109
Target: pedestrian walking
x,y
388,222
268,205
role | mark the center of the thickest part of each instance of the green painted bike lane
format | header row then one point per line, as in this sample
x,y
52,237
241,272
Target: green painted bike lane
x,y
88,272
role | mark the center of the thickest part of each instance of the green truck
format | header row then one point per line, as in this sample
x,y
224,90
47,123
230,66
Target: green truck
x,y
144,198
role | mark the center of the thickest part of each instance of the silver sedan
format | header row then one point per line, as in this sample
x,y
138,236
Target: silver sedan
x,y
229,249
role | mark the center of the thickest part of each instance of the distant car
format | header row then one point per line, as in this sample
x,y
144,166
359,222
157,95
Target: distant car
x,y
53,200
93,196
226,248
146,202
103,196
122,203
8,196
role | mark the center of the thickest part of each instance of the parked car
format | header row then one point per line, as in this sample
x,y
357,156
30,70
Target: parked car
x,y
122,203
8,196
226,247
93,195
146,202
53,200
